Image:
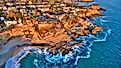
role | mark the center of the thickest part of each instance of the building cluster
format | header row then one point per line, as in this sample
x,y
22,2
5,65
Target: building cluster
x,y
40,1
11,14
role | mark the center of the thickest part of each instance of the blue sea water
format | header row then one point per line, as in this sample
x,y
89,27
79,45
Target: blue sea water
x,y
106,53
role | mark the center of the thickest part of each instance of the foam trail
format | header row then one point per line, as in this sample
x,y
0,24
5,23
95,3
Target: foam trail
x,y
88,54
24,55
105,21
102,40
17,66
35,63
77,58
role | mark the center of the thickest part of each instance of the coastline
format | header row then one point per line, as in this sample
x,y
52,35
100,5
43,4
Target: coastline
x,y
57,36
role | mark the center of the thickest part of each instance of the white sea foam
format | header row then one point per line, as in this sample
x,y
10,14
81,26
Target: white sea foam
x,y
102,40
77,58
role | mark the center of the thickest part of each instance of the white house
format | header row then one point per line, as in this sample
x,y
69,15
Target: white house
x,y
8,23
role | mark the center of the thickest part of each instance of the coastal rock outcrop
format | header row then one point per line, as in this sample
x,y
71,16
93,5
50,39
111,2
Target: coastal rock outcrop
x,y
59,28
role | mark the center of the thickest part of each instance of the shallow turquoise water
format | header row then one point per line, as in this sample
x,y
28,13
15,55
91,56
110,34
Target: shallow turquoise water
x,y
105,54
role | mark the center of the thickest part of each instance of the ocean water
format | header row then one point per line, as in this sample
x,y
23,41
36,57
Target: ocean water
x,y
28,61
106,53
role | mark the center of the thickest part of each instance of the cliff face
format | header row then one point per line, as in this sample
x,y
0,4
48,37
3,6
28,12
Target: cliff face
x,y
57,30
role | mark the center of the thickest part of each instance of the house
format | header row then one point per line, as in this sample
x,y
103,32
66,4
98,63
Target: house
x,y
8,23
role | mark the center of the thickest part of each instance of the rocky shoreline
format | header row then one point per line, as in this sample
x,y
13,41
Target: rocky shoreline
x,y
49,59
58,29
